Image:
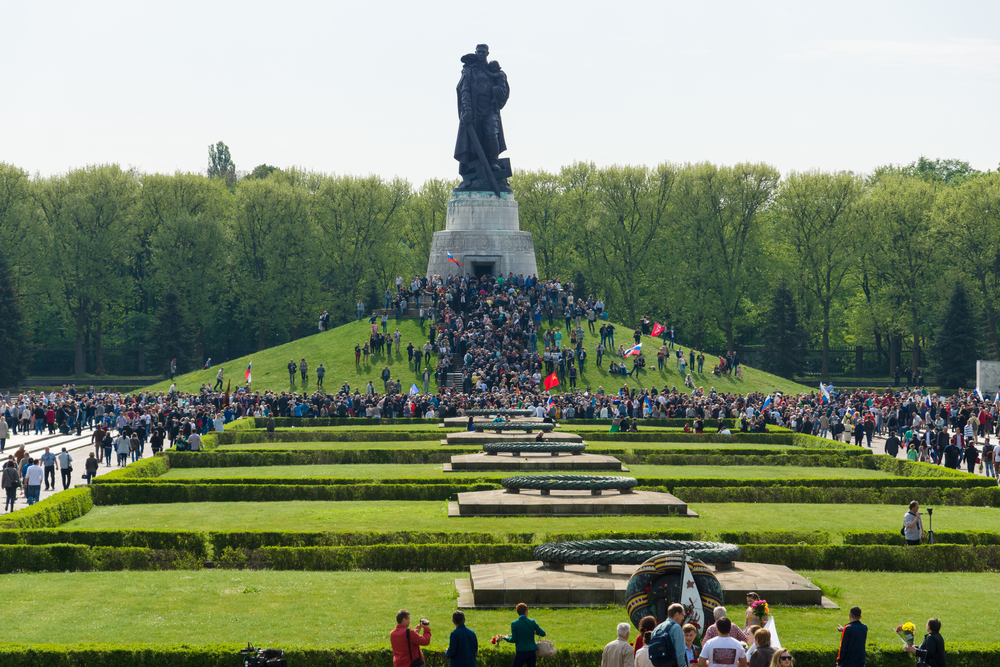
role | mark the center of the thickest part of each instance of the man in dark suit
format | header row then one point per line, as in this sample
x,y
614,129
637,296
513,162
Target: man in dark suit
x,y
853,637
463,645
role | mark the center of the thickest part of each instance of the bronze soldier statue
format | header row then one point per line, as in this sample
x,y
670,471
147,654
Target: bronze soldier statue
x,y
482,93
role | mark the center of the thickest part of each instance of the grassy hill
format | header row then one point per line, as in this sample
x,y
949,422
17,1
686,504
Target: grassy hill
x,y
335,350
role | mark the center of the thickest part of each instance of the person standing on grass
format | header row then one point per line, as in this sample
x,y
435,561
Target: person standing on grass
x,y
931,652
10,481
722,650
853,638
522,636
65,463
406,643
320,372
304,370
913,526
218,379
462,645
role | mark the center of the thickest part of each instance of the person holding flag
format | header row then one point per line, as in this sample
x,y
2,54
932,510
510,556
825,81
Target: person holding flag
x,y
634,350
247,376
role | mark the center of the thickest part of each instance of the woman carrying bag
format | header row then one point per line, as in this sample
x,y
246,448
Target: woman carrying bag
x,y
522,636
11,482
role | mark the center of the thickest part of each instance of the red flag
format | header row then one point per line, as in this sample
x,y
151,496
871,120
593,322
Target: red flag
x,y
657,329
550,381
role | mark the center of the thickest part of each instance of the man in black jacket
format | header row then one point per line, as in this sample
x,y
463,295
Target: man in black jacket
x,y
853,637
892,444
931,652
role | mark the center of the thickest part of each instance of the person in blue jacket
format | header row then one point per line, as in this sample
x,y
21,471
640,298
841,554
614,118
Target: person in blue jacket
x,y
853,638
463,645
522,636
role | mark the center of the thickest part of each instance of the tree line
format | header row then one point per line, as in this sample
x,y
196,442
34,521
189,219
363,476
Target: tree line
x,y
729,255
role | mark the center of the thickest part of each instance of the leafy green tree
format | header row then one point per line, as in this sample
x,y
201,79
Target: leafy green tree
x,y
89,212
540,211
15,338
426,212
262,171
815,215
783,334
953,351
22,231
172,337
967,222
220,164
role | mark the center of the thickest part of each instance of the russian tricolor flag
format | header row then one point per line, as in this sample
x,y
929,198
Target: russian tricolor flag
x,y
824,395
979,394
635,350
452,259
767,403
927,401
249,366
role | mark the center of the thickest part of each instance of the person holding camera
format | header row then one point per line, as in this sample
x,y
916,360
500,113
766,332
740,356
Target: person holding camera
x,y
406,643
931,652
913,526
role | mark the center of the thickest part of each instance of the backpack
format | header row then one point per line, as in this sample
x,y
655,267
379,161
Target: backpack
x,y
661,646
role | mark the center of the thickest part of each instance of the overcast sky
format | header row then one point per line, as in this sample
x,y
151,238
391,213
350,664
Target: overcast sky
x,y
369,87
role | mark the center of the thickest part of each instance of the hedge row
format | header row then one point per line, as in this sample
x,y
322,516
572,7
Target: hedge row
x,y
960,654
142,469
251,437
775,537
840,495
878,558
655,436
321,481
389,557
319,422
54,511
256,539
193,542
80,558
975,537
140,494
264,458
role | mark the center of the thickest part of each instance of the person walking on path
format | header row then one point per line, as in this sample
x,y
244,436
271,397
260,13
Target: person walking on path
x,y
4,432
10,481
522,636
406,643
32,481
90,468
65,463
48,461
462,645
853,638
218,379
619,653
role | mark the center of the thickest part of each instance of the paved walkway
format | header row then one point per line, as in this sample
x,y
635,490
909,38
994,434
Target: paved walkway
x,y
79,447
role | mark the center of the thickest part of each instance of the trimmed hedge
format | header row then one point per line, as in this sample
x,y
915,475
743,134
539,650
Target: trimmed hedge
x,y
391,557
265,458
654,436
669,423
322,481
142,469
878,558
54,511
256,539
867,537
319,422
251,437
776,537
694,535
193,542
140,494
960,654
80,558
839,495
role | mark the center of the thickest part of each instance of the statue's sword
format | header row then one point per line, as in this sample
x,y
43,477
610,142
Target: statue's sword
x,y
482,159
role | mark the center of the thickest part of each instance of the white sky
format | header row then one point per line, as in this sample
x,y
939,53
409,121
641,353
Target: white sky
x,y
369,87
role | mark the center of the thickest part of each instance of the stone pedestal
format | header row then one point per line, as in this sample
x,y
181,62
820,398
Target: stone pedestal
x,y
482,232
988,376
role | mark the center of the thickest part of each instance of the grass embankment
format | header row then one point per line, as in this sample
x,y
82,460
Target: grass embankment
x,y
389,472
317,608
335,350
433,516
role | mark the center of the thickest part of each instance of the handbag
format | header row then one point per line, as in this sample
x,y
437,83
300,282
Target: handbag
x,y
419,662
546,649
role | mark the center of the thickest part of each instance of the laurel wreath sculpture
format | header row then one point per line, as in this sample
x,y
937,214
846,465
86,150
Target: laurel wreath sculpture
x,y
554,448
513,426
506,412
632,552
547,483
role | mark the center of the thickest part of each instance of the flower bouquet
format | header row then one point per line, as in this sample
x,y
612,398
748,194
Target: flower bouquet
x,y
905,632
497,639
760,609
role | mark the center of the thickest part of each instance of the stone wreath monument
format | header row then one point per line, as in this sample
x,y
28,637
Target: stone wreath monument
x,y
482,235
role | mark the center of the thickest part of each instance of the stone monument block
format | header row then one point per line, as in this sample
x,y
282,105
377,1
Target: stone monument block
x,y
988,376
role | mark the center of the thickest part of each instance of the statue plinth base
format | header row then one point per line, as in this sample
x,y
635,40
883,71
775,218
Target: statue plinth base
x,y
482,232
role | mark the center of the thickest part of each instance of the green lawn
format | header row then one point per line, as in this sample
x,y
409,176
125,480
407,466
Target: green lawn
x,y
436,444
431,515
335,350
380,471
322,608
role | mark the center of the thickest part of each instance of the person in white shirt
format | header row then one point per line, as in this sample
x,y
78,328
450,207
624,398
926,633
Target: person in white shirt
x,y
194,440
619,653
723,650
33,474
65,468
123,445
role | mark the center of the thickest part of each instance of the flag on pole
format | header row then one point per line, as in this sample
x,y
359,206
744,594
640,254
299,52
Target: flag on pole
x,y
824,394
691,599
551,402
452,259
249,366
228,384
927,401
413,390
767,403
550,381
658,329
979,394
635,350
